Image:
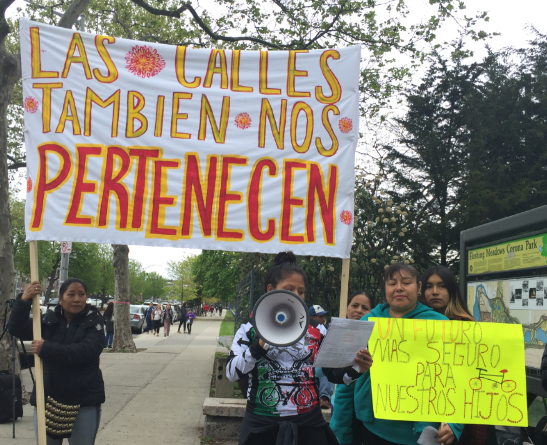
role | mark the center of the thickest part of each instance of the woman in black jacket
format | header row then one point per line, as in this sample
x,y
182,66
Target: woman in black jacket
x,y
72,341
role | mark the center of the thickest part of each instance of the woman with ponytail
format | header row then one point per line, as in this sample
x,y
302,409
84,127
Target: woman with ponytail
x,y
282,395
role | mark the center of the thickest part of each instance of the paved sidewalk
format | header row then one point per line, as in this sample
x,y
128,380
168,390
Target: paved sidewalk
x,y
153,396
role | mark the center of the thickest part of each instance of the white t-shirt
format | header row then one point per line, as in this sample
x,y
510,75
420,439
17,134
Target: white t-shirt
x,y
157,314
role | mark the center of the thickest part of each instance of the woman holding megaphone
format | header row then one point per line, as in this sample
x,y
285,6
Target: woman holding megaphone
x,y
402,289
283,398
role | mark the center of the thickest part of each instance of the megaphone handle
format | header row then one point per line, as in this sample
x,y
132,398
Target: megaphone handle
x,y
357,368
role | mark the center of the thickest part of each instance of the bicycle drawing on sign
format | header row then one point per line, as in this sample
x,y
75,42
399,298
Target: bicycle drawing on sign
x,y
498,380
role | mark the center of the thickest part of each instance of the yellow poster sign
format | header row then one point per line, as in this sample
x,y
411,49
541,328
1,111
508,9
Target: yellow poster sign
x,y
518,254
448,371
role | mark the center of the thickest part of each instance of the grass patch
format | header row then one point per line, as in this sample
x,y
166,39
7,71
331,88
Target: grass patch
x,y
227,325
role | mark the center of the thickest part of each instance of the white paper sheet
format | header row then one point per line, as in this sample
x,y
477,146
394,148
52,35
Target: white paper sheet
x,y
428,436
342,342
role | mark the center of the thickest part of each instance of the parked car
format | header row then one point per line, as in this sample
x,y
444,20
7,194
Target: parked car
x,y
136,313
52,303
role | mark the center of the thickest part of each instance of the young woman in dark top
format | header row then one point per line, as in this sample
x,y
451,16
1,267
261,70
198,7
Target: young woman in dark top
x,y
283,398
440,291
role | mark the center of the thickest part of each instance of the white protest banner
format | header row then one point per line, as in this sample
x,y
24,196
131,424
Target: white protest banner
x,y
139,143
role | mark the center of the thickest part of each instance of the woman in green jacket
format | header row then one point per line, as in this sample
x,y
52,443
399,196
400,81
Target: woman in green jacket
x,y
402,290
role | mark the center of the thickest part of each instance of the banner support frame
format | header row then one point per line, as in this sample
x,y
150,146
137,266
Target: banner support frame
x,y
37,334
344,279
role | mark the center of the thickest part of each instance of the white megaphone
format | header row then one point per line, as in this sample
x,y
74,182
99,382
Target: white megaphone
x,y
280,317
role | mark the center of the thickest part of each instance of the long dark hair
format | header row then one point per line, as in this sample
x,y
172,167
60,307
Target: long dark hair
x,y
284,266
109,311
68,282
371,299
455,310
400,269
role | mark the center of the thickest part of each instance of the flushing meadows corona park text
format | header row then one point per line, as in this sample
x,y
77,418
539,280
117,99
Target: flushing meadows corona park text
x,y
118,136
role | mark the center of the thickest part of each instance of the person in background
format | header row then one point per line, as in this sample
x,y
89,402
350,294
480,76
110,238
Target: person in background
x,y
319,315
205,309
182,321
271,416
402,290
156,317
190,320
148,317
359,304
440,291
109,324
167,320
220,310
71,344
212,310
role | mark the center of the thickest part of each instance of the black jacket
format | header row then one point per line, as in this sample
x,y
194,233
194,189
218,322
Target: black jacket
x,y
183,313
70,352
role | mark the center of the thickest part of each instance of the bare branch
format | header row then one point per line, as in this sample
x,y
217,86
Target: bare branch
x,y
17,165
187,7
72,13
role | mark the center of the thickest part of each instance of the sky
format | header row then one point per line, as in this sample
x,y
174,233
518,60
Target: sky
x,y
508,18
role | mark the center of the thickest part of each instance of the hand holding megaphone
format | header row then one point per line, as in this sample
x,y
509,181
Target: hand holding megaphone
x,y
280,318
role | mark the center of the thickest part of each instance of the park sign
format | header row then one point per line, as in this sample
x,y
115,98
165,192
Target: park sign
x,y
521,253
134,142
448,371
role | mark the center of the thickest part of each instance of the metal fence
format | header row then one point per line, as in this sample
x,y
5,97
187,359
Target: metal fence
x,y
323,290
248,291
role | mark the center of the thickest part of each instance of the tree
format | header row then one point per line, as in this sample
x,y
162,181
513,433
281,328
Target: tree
x,y
217,273
472,148
428,165
183,284
106,284
123,340
291,25
10,73
155,286
507,125
137,277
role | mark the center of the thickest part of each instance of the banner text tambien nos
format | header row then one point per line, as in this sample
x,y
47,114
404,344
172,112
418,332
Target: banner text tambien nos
x,y
138,143
448,371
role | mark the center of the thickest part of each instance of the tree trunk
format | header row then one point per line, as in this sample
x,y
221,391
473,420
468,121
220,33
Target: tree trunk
x,y
10,73
52,279
122,323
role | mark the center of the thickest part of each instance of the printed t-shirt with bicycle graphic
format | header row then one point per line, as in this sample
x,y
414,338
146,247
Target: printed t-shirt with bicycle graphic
x,y
282,382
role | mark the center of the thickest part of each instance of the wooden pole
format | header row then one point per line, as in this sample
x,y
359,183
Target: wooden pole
x,y
344,288
38,367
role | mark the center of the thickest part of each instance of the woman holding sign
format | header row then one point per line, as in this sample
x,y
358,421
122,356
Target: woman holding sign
x,y
402,290
283,397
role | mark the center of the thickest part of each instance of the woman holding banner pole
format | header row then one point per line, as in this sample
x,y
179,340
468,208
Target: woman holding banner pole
x,y
440,291
402,291
72,341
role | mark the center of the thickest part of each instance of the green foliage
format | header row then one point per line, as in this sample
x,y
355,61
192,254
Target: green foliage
x,y
217,273
92,263
183,287
155,286
473,146
137,277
